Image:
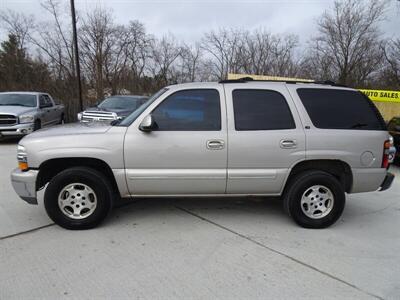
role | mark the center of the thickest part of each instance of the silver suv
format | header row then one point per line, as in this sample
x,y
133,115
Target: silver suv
x,y
309,143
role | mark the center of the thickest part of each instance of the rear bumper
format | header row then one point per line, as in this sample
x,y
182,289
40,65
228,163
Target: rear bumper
x,y
24,184
367,179
387,182
16,130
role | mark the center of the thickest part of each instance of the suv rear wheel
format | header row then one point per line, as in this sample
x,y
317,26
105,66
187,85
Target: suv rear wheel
x,y
314,199
78,198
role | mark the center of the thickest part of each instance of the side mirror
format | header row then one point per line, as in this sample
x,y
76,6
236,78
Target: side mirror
x,y
147,124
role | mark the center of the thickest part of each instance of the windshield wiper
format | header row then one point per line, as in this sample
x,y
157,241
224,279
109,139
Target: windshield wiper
x,y
359,125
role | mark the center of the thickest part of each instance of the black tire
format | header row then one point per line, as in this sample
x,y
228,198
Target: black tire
x,y
37,125
91,178
299,185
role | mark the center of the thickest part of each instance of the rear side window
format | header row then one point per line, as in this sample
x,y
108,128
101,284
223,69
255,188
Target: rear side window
x,y
49,103
341,109
189,110
261,110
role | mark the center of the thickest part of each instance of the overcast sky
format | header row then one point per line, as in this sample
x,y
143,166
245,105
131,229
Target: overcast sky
x,y
189,19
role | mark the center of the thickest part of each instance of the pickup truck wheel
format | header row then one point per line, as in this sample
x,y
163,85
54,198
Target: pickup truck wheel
x,y
78,198
37,125
314,199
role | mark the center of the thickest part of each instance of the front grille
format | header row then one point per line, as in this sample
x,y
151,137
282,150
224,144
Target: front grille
x,y
101,116
8,120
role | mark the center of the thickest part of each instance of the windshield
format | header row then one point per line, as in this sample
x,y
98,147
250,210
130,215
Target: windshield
x,y
133,116
128,103
18,100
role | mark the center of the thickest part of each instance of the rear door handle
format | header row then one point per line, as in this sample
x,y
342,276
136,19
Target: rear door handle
x,y
288,144
215,144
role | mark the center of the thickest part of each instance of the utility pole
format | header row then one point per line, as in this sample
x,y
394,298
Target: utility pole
x,y
76,52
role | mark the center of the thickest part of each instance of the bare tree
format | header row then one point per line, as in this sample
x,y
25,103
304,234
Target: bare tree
x,y
264,53
164,54
391,51
348,41
54,40
18,25
191,63
348,49
138,52
97,37
223,46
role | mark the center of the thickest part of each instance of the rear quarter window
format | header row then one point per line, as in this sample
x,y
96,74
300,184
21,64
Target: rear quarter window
x,y
341,109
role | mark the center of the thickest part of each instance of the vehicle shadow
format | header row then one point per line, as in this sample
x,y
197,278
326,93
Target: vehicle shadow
x,y
267,210
243,207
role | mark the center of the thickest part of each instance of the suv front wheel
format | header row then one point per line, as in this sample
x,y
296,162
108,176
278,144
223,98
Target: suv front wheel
x,y
78,198
314,199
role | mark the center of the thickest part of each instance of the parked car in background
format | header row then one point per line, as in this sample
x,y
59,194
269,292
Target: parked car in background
x,y
112,108
24,112
394,130
309,143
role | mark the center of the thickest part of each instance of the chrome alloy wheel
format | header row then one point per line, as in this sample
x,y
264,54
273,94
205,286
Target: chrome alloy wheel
x,y
317,202
77,201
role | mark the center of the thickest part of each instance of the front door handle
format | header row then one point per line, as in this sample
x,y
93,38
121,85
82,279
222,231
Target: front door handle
x,y
288,144
215,144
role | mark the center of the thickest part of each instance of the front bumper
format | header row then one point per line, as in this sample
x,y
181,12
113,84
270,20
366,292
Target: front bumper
x,y
16,130
24,184
387,182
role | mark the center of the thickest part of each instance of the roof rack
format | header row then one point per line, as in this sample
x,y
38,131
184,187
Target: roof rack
x,y
243,79
247,79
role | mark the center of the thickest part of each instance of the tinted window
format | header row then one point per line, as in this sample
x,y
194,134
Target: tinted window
x,y
261,110
189,110
341,109
48,101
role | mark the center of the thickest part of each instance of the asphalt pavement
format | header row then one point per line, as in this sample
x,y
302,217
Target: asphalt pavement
x,y
210,248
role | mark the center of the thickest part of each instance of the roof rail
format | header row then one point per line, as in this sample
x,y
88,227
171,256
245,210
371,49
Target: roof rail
x,y
247,79
243,79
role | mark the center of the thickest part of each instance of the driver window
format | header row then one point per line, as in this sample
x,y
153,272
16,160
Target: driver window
x,y
189,110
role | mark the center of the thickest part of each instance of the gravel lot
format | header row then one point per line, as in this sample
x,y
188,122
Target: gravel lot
x,y
199,248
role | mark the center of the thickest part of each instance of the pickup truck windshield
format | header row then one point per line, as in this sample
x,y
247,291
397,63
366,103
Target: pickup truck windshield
x,y
133,116
120,103
18,100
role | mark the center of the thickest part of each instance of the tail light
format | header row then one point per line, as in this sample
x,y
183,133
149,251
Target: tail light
x,y
386,154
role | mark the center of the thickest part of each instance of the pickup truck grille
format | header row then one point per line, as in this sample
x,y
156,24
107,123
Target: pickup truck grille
x,y
8,120
99,116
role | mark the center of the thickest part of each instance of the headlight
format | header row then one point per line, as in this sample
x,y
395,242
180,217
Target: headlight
x,y
26,119
79,116
22,158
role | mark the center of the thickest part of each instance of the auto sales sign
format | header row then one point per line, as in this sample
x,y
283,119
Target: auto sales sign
x,y
382,96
